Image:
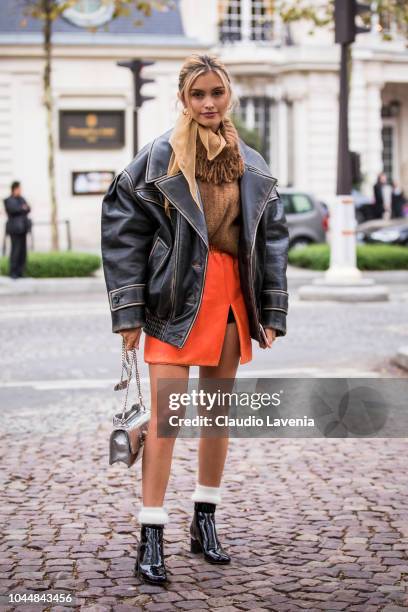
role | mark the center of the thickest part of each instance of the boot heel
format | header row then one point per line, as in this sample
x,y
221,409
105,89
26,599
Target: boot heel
x,y
195,546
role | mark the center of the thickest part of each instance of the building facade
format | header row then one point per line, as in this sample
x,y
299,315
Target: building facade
x,y
285,78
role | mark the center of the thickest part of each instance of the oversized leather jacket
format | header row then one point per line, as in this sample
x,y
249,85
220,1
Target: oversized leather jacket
x,y
155,266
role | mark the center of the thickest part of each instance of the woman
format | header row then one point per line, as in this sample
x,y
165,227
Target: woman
x,y
194,246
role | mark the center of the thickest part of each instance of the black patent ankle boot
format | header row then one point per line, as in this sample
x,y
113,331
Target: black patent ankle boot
x,y
150,559
204,535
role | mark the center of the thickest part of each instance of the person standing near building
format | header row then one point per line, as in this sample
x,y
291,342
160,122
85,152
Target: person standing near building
x,y
17,226
382,196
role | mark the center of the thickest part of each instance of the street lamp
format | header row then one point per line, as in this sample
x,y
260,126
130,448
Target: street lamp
x,y
136,66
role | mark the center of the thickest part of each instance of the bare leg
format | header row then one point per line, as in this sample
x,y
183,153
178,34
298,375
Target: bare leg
x,y
212,451
158,452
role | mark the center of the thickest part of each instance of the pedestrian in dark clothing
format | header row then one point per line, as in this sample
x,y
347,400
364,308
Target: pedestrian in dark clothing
x,y
398,201
382,196
17,226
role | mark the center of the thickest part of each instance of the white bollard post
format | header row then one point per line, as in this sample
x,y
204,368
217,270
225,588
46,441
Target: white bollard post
x,y
343,268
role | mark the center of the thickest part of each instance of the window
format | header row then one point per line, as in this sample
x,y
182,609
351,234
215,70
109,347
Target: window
x,y
287,205
89,13
388,150
246,20
301,203
261,23
256,114
296,203
230,25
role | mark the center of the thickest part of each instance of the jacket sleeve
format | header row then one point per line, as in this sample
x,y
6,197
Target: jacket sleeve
x,y
127,231
274,294
28,209
14,207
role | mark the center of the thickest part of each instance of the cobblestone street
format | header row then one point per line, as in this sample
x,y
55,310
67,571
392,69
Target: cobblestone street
x,y
311,524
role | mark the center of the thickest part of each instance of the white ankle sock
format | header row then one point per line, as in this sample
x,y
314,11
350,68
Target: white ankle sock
x,y
153,515
202,493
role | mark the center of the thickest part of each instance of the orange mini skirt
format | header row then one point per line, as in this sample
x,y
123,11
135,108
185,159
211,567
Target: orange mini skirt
x,y
222,290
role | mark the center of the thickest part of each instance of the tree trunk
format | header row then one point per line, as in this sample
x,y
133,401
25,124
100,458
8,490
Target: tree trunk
x,y
49,115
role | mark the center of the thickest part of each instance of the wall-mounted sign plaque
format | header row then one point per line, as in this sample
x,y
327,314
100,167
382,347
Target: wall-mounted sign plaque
x,y
91,129
93,182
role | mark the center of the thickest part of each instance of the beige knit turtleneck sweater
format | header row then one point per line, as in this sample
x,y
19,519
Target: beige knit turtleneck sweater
x,y
222,214
217,182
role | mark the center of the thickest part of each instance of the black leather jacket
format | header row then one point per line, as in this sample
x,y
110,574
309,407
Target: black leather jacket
x,y
155,266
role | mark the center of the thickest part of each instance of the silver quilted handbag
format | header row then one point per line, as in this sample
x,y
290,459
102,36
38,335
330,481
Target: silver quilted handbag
x,y
130,426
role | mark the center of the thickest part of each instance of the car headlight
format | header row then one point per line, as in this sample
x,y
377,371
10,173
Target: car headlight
x,y
385,235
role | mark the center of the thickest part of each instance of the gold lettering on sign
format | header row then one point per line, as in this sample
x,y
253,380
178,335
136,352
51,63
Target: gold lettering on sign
x,y
91,134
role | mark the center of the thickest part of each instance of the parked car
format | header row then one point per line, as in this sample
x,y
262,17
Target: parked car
x,y
394,231
307,217
364,206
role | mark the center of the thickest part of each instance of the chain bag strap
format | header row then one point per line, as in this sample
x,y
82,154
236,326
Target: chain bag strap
x,y
129,426
127,366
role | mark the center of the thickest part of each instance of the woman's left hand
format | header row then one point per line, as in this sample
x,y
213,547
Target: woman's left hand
x,y
271,335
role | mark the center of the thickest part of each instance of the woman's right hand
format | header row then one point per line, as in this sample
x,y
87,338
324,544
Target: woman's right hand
x,y
131,337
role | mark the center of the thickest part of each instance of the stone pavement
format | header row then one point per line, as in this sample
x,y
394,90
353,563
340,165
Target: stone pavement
x,y
311,524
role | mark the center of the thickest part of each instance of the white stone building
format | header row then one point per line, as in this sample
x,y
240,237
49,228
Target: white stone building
x,y
286,79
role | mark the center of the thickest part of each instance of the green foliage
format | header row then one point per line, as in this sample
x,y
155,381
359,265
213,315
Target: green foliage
x,y
322,13
52,9
369,257
251,137
319,14
315,257
56,264
382,257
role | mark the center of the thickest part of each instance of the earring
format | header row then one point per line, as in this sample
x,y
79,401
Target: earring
x,y
185,111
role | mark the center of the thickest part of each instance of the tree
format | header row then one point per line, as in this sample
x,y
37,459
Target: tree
x,y
47,11
322,14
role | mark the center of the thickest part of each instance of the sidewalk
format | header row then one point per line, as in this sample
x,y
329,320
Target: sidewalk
x,y
96,283
93,284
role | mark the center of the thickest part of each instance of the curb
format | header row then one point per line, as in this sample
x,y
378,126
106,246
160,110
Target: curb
x,y
398,277
24,286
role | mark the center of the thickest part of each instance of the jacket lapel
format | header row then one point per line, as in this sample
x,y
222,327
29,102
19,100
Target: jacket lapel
x,y
256,185
175,188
